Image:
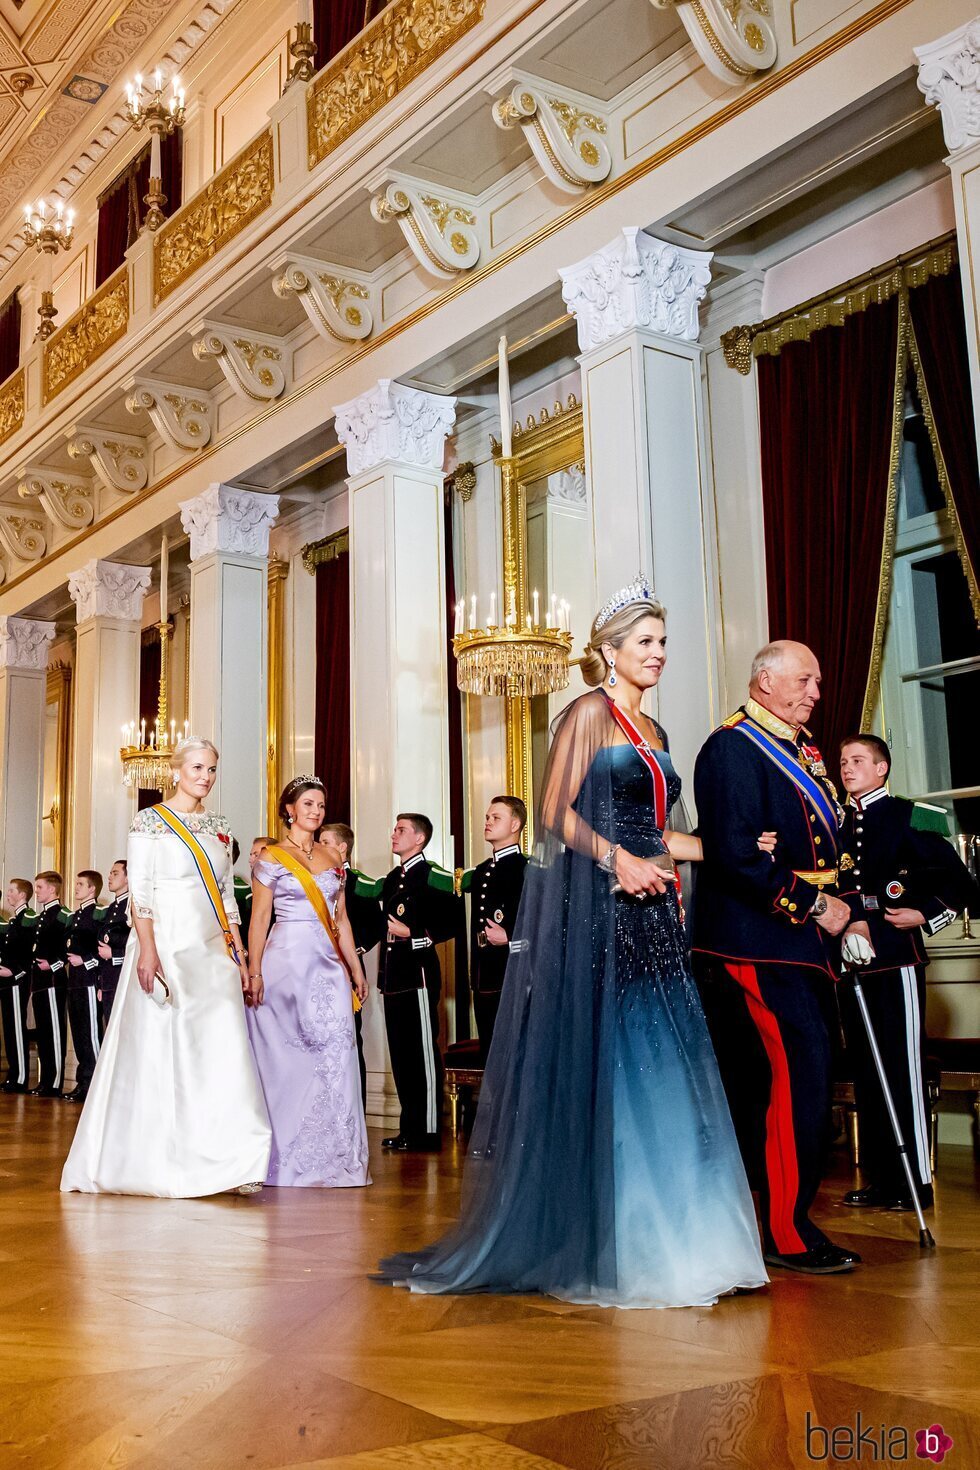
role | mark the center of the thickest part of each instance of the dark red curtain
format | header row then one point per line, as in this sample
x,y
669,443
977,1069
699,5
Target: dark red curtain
x,y
457,799
940,334
335,23
331,739
827,410
9,337
121,206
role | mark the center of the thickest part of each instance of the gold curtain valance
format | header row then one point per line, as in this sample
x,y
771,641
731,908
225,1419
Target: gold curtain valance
x,y
741,344
316,553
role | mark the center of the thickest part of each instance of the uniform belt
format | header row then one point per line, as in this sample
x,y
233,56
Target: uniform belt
x,y
822,878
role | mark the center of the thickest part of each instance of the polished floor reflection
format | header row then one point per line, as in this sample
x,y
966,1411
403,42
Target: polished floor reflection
x,y
244,1332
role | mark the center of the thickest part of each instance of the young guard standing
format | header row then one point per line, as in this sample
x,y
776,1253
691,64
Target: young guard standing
x,y
495,886
82,954
15,962
49,983
113,936
901,879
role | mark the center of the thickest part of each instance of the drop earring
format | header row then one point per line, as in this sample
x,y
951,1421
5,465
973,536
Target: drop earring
x,y
612,672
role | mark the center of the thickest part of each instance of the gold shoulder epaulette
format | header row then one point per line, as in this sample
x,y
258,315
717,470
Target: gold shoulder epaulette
x,y
733,720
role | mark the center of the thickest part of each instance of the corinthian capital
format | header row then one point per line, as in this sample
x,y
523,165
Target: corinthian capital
x,y
392,422
235,522
949,78
109,589
636,281
24,643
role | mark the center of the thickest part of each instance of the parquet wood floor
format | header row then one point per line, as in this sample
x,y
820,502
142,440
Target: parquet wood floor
x,y
244,1332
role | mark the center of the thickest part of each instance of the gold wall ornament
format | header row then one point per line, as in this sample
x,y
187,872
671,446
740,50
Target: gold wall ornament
x,y
215,215
734,38
12,405
463,480
565,132
95,327
398,45
440,229
736,344
328,548
58,697
277,572
337,303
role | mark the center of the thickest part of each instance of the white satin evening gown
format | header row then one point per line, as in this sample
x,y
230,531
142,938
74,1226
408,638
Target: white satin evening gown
x,y
175,1107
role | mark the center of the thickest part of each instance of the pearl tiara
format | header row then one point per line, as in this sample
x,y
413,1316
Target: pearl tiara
x,y
639,590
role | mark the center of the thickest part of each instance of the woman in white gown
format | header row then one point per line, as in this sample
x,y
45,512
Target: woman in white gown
x,y
175,1107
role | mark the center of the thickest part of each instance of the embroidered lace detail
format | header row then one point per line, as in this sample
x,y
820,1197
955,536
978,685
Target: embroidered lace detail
x,y
142,912
209,823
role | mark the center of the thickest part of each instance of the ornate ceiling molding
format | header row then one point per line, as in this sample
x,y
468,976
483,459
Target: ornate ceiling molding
x,y
949,78
392,422
636,281
250,361
337,302
229,521
109,589
24,643
119,460
183,417
66,500
439,226
566,131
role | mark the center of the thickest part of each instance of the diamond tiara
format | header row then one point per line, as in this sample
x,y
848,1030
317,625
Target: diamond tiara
x,y
305,781
639,590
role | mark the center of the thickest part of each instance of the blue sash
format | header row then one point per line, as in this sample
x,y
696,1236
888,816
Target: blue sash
x,y
809,787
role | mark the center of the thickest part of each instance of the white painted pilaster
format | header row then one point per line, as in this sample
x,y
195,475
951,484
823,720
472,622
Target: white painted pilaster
x,y
646,454
108,598
24,646
229,531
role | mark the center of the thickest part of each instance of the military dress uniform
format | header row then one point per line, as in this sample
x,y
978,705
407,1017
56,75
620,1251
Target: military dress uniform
x,y
895,856
410,979
84,929
16,944
495,887
765,968
367,924
114,931
243,898
49,990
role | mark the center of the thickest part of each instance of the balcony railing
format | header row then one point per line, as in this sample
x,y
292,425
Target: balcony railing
x,y
100,322
11,405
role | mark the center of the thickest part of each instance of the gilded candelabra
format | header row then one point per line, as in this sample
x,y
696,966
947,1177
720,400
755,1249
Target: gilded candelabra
x,y
161,115
48,230
302,49
146,754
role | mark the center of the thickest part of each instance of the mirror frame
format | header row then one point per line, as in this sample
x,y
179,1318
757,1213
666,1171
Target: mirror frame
x,y
58,692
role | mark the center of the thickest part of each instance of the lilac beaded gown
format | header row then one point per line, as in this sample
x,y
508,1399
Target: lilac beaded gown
x,y
303,1041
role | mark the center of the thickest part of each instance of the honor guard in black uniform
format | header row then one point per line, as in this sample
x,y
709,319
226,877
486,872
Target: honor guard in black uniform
x,y
765,945
49,983
422,909
113,936
495,889
901,879
16,945
367,922
84,928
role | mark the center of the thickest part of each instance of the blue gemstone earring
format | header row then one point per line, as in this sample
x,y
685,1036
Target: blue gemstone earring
x,y
612,672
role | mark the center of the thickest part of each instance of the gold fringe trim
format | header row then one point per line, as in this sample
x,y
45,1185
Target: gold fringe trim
x,y
316,553
891,515
943,473
768,338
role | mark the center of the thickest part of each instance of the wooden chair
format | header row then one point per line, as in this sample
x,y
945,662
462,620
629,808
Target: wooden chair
x,y
464,1076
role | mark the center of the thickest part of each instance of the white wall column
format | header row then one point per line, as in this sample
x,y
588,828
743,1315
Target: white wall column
x,y
949,76
646,456
24,646
229,531
108,598
395,439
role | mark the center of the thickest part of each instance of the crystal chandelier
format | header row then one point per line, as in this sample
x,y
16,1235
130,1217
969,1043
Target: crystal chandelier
x,y
161,115
508,660
146,752
49,231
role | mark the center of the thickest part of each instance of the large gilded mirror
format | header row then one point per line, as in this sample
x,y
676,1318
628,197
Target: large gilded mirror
x,y
57,770
548,549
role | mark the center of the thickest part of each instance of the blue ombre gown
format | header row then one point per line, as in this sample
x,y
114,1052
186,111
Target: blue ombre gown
x,y
603,1166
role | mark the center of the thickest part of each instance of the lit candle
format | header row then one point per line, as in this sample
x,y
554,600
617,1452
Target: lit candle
x,y
529,622
564,616
503,392
537,609
70,218
142,732
41,208
164,577
59,209
553,619
156,168
157,80
175,83
27,214
186,728
305,12
473,612
460,606
173,732
139,86
492,619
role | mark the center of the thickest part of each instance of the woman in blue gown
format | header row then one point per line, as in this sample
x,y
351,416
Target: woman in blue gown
x,y
603,1164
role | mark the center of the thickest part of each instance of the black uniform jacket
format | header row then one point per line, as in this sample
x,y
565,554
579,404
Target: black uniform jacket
x,y
114,931
891,859
51,944
367,922
495,889
431,915
84,928
16,946
749,905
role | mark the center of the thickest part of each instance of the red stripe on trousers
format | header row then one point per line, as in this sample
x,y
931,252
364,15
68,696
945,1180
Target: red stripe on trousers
x,y
782,1172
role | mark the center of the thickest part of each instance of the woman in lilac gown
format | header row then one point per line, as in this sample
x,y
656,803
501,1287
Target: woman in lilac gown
x,y
300,999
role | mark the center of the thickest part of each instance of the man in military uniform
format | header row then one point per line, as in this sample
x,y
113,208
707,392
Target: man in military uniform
x,y
49,982
84,928
16,944
113,936
901,878
361,895
765,928
421,909
495,886
243,886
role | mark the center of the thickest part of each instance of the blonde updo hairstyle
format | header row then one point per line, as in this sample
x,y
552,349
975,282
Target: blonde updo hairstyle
x,y
187,746
615,631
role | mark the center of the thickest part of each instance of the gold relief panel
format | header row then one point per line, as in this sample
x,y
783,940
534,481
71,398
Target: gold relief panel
x,y
12,405
215,215
85,336
399,44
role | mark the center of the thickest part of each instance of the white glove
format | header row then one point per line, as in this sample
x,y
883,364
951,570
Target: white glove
x,y
857,951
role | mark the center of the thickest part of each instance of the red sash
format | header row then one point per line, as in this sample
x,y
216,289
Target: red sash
x,y
644,750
